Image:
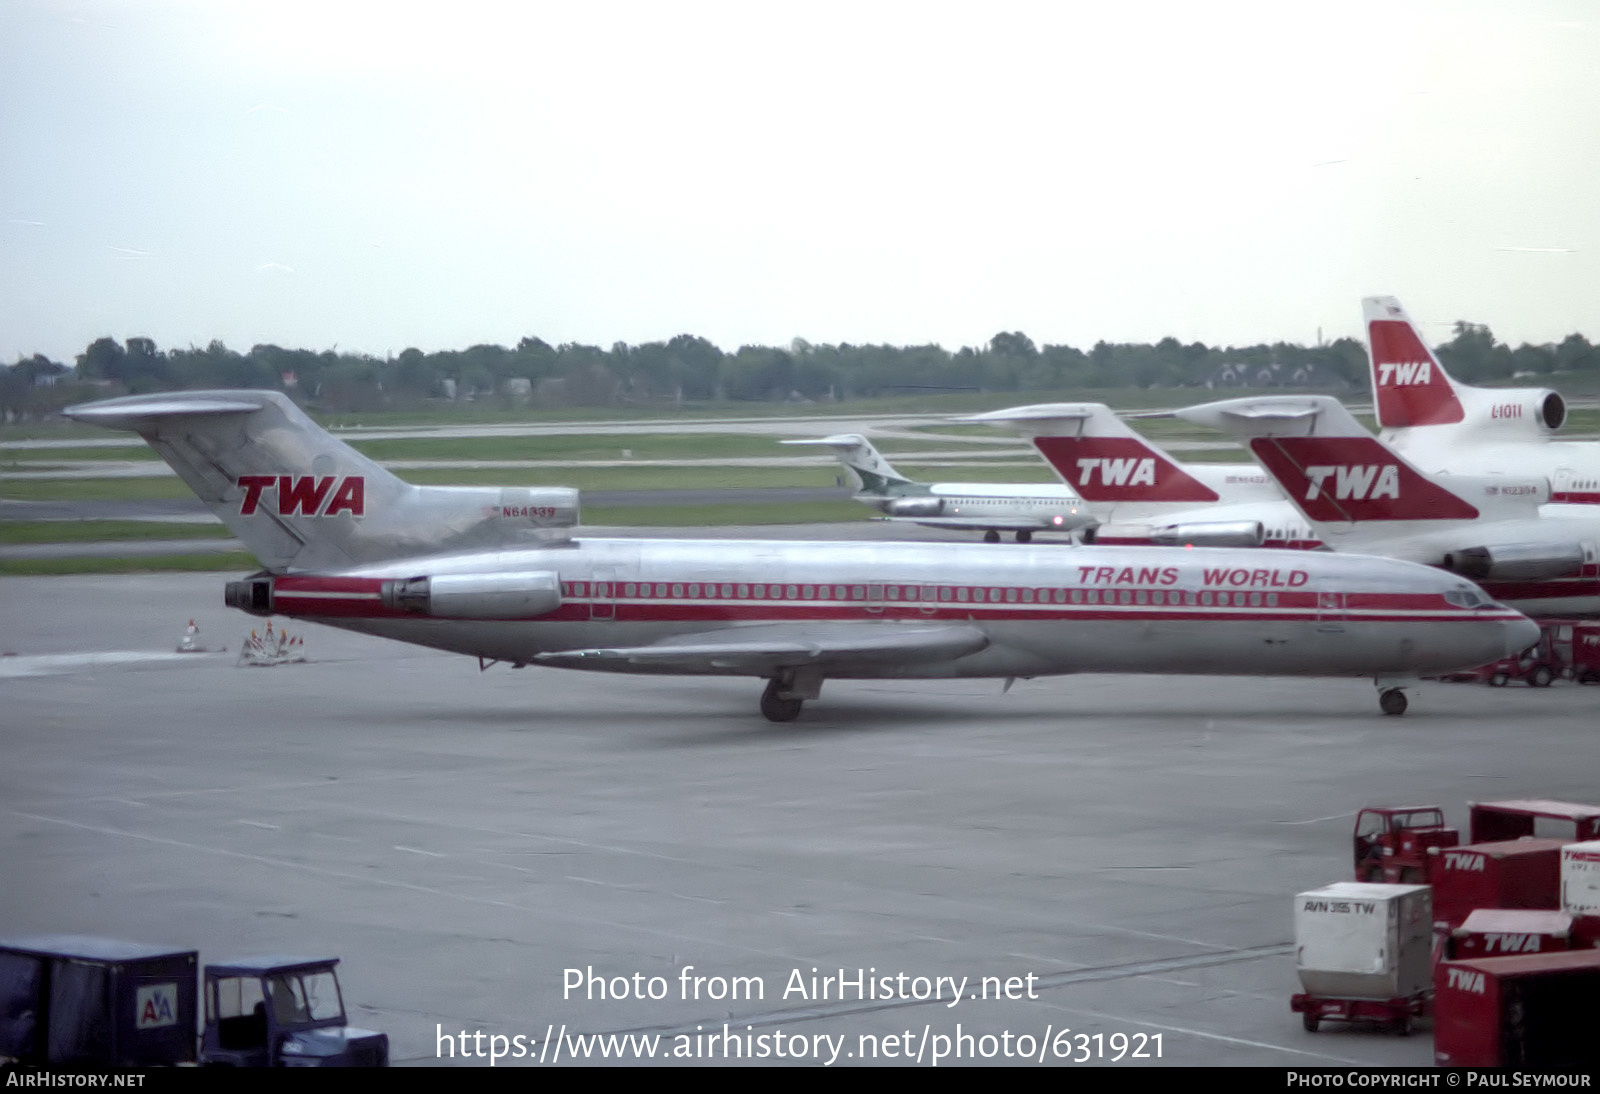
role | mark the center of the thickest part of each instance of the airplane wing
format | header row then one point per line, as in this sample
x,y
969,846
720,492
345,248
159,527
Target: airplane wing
x,y
766,648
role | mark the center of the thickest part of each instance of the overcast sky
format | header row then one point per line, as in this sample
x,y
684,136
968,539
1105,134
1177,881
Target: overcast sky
x,y
374,176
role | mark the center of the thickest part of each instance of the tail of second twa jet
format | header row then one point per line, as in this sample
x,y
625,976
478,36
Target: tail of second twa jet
x,y
1340,476
1410,388
300,499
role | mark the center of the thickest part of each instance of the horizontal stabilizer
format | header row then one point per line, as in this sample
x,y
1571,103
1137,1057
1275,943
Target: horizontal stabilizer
x,y
136,411
1337,472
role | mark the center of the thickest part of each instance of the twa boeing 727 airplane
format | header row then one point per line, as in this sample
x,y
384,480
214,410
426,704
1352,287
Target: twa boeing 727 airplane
x,y
1361,495
499,574
1141,495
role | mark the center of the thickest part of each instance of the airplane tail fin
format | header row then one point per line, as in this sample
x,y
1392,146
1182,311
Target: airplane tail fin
x,y
1338,473
1409,386
300,499
869,472
1099,455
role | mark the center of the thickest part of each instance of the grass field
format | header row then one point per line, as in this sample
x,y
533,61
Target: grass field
x,y
643,445
238,561
104,531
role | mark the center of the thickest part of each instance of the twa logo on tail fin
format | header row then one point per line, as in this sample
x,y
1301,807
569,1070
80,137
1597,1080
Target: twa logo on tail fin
x,y
1409,386
305,494
1120,469
1334,479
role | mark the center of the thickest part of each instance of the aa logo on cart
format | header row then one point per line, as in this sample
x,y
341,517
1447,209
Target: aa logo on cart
x,y
156,1005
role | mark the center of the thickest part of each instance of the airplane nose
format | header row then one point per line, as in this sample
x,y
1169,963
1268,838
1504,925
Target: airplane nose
x,y
1520,634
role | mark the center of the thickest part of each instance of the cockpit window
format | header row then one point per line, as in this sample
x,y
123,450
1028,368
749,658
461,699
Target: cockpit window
x,y
1468,597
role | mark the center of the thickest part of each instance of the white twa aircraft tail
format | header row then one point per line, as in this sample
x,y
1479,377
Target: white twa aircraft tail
x,y
1337,473
300,499
1098,455
1410,388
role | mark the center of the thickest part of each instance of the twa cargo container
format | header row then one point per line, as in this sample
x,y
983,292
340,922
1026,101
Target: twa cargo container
x,y
1503,932
1535,1011
1524,873
1580,878
1364,952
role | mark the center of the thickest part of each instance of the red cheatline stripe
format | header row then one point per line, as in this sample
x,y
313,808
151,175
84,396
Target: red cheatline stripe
x,y
581,610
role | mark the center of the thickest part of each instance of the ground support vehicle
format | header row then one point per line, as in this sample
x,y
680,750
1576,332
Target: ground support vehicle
x,y
1585,652
1567,649
1508,820
68,1001
1364,953
1391,844
1397,1015
1506,932
283,1011
1517,873
1531,1011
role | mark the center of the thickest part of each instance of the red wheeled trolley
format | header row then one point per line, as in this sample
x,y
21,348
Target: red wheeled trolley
x,y
1364,954
1394,1014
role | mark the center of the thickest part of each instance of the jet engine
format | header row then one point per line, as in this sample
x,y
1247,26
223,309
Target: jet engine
x,y
1236,533
1526,412
476,596
1517,561
915,507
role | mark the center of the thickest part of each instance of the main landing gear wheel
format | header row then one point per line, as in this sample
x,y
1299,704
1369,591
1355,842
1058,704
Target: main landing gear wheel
x,y
1024,536
774,709
991,536
1392,701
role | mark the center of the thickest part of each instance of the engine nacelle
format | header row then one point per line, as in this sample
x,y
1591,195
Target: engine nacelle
x,y
1517,561
1528,412
1236,533
915,507
476,596
253,595
1233,533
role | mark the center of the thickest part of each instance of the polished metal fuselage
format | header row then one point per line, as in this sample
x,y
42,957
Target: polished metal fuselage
x,y
1043,610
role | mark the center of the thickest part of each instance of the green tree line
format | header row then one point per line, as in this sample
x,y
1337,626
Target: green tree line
x,y
691,370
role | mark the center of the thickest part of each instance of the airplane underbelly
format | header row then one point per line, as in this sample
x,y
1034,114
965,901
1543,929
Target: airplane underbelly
x,y
1037,648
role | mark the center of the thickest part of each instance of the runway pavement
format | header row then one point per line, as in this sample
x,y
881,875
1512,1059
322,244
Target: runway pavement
x,y
462,839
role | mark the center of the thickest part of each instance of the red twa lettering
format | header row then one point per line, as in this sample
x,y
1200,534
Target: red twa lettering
x,y
302,494
252,486
305,495
351,497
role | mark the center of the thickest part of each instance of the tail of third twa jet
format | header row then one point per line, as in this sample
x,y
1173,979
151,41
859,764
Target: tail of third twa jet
x,y
301,499
1410,388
